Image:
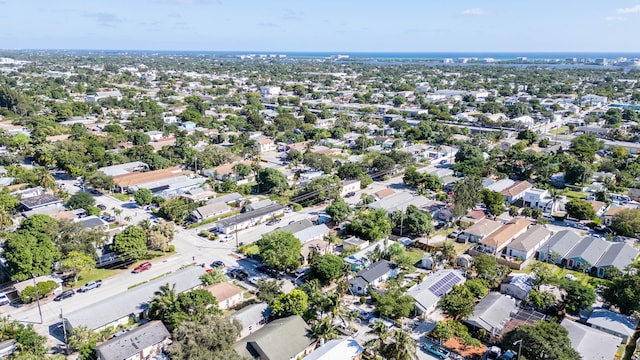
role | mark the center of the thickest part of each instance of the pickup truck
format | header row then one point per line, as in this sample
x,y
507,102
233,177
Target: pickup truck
x,y
90,286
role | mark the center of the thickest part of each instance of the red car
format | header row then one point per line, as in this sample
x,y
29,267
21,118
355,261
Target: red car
x,y
142,267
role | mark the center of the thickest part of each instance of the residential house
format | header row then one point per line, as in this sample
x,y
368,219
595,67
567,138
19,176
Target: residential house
x,y
492,313
94,222
598,206
346,348
591,343
479,230
464,261
429,292
360,259
538,199
231,199
259,205
198,194
618,256
41,200
499,239
132,181
252,318
558,246
399,201
586,253
473,217
611,211
123,169
248,219
267,343
354,243
120,308
227,294
350,186
372,276
319,246
613,323
305,231
145,342
265,144
527,244
500,185
516,191
517,285
209,211
224,171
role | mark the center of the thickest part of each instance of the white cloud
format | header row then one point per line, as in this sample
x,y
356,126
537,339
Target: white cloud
x,y
476,11
629,10
613,18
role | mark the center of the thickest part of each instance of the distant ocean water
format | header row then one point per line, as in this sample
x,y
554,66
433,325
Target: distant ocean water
x,y
389,55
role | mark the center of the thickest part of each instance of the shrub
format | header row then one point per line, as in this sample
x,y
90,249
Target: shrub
x,y
44,288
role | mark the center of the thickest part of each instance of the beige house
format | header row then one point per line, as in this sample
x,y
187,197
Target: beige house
x,y
479,230
499,239
227,294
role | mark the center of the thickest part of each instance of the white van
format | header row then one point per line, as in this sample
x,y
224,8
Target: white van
x,y
302,271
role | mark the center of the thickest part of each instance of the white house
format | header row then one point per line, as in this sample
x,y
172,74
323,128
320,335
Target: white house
x,y
538,199
372,276
265,144
270,90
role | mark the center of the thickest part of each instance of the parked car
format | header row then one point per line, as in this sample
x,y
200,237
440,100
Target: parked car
x,y
437,351
570,277
101,207
493,353
142,267
226,238
238,274
351,194
455,234
443,161
65,294
217,264
269,271
90,286
4,300
108,218
302,271
273,221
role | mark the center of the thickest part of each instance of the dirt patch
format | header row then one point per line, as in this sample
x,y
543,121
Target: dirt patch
x,y
468,352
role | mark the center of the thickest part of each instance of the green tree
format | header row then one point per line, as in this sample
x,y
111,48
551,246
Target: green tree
x,y
458,303
324,329
469,161
488,269
401,346
271,180
543,340
326,188
585,146
529,136
30,345
84,340
78,262
280,249
578,296
580,209
29,254
465,195
378,342
478,287
100,180
269,289
328,268
131,243
143,197
393,304
81,200
242,170
339,210
417,222
494,201
295,302
212,337
623,293
626,222
214,276
371,225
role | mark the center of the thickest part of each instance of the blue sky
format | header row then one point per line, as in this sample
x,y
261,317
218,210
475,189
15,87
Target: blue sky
x,y
326,25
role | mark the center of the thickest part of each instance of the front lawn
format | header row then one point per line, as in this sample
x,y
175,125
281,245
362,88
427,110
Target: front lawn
x,y
95,274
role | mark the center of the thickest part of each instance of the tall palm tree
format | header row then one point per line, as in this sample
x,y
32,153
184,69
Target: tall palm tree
x,y
117,212
163,303
324,330
400,347
378,343
45,178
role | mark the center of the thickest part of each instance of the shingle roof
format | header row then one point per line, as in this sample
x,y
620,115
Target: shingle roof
x,y
618,323
618,255
483,227
339,349
280,339
132,343
375,271
532,237
492,312
240,218
223,291
562,242
39,201
590,343
252,314
506,233
589,249
206,210
425,298
137,178
517,188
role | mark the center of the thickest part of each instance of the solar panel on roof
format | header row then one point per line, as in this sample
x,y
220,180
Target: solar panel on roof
x,y
444,285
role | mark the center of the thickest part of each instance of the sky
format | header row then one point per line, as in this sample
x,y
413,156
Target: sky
x,y
323,25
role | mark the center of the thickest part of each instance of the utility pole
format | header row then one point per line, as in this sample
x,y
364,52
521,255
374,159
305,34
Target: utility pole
x,y
64,333
37,297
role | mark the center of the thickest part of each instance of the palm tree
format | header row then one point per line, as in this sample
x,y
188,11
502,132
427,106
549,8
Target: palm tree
x,y
127,218
163,303
331,304
377,344
117,212
45,178
400,347
324,330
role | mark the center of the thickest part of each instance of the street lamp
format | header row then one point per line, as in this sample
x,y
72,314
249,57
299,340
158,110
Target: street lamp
x,y
519,343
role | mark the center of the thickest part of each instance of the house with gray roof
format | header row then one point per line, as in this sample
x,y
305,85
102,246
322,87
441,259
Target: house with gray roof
x,y
145,342
526,245
208,211
492,313
428,293
248,219
38,201
227,198
282,339
399,201
591,343
613,323
346,348
517,285
619,255
372,276
586,253
252,318
118,309
558,246
480,230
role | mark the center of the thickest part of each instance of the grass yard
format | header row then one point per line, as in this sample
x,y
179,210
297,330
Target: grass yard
x,y
571,194
95,274
415,255
122,197
461,248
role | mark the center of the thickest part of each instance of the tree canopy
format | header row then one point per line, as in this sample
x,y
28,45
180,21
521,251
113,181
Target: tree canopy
x,y
131,243
543,340
280,249
371,225
339,210
580,209
626,222
328,268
